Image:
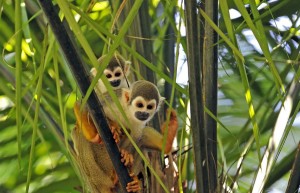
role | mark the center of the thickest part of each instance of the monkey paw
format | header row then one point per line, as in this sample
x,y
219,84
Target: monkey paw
x,y
116,135
134,185
115,130
127,158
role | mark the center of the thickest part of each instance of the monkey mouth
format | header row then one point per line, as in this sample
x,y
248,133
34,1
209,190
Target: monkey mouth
x,y
115,83
142,116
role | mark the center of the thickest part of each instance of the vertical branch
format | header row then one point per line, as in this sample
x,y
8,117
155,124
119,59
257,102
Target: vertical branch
x,y
195,90
147,51
209,83
169,57
77,67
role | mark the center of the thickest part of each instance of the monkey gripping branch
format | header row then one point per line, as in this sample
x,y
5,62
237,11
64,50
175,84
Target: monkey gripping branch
x,y
76,65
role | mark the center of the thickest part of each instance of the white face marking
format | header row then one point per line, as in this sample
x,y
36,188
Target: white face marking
x,y
142,110
115,77
117,74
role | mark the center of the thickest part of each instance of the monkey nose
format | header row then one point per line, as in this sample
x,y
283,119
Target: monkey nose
x,y
115,83
142,116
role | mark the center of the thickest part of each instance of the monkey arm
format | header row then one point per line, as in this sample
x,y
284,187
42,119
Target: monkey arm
x,y
154,140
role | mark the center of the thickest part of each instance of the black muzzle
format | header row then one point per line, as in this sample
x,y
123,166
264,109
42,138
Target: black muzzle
x,y
115,83
143,116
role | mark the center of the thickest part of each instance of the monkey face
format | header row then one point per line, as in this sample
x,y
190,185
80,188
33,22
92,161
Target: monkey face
x,y
115,77
143,109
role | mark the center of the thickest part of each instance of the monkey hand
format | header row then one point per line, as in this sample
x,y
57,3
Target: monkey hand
x,y
127,158
86,124
169,128
134,185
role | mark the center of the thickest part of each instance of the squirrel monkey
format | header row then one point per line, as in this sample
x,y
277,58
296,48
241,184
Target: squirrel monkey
x,y
117,71
140,103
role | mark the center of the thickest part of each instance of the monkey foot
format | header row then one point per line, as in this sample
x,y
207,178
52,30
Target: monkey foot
x,y
134,185
127,158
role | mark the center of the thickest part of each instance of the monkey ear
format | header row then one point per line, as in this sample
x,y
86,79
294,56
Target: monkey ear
x,y
161,101
93,71
126,95
127,67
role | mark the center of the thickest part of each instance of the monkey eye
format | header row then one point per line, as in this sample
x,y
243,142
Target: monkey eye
x,y
108,75
149,107
139,105
117,74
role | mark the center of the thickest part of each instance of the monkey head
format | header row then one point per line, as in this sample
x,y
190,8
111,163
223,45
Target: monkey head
x,y
116,72
143,100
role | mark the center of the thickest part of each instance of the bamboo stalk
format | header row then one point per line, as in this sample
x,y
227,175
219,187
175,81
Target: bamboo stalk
x,y
76,65
209,78
195,90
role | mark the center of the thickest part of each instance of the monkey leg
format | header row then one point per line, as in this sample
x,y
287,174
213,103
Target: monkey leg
x,y
86,124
